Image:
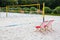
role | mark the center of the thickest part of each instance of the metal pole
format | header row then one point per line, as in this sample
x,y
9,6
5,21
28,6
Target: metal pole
x,y
6,11
43,12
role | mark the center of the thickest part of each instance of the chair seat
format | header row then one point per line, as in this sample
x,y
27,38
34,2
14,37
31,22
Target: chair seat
x,y
38,26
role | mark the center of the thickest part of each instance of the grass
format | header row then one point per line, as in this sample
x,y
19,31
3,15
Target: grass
x,y
53,14
56,14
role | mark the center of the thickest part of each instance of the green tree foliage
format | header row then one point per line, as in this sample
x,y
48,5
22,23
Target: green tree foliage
x,y
27,1
8,2
11,2
50,3
3,3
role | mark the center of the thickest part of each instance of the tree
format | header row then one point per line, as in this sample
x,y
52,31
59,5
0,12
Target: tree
x,y
2,3
11,2
50,3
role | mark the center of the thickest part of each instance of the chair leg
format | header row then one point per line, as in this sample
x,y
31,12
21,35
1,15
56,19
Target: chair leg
x,y
49,29
42,31
37,29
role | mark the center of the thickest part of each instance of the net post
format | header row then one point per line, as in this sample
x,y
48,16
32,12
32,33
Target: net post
x,y
6,11
43,12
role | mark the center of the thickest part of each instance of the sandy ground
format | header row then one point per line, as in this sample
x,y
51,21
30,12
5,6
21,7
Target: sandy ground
x,y
22,27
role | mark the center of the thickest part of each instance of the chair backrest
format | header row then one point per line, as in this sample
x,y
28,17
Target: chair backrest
x,y
46,23
50,22
43,23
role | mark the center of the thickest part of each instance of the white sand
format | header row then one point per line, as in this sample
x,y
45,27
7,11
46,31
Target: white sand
x,y
22,27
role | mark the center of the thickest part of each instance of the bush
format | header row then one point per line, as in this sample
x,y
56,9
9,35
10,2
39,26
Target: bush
x,y
2,9
47,10
14,9
26,10
56,10
33,9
